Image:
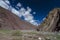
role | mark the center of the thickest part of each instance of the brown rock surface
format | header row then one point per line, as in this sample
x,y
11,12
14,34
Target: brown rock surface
x,y
51,21
10,21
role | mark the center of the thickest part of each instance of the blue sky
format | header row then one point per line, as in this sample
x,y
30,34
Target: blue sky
x,y
39,8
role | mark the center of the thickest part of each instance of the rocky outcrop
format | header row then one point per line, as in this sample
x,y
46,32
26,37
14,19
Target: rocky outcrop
x,y
10,21
51,21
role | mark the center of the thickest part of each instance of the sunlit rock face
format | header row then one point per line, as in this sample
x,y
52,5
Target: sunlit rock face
x,y
51,22
10,21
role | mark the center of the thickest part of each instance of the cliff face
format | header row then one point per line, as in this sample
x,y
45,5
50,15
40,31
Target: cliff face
x,y
10,21
51,21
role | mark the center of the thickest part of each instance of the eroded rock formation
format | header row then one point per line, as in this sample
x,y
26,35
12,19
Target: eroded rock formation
x,y
51,22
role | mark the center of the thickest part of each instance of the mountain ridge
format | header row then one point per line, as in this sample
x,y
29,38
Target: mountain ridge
x,y
10,21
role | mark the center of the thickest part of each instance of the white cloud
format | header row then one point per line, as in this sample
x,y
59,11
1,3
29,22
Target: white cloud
x,y
34,22
26,13
6,1
44,18
19,5
22,11
3,4
29,9
34,12
15,12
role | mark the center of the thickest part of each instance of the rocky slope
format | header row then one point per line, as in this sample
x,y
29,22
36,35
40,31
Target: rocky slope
x,y
50,23
10,21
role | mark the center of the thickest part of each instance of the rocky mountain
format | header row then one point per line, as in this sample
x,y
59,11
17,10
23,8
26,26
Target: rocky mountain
x,y
20,11
51,22
9,21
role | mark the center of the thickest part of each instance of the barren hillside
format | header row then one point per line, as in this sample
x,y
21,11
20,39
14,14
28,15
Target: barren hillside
x,y
10,21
